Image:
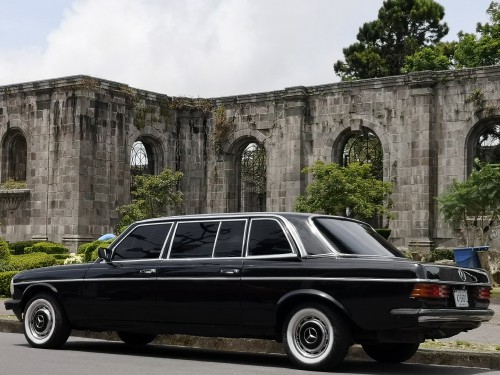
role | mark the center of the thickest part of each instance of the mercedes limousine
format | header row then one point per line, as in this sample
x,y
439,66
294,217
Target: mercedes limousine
x,y
316,283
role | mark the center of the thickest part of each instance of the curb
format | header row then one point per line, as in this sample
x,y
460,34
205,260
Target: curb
x,y
489,360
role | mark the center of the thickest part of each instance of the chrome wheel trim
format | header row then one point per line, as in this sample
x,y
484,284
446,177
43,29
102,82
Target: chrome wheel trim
x,y
310,335
39,321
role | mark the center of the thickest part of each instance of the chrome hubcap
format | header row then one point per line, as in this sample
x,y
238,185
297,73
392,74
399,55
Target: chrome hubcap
x,y
311,336
41,320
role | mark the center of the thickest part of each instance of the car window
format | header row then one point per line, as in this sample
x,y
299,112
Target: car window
x,y
143,242
194,240
230,239
267,238
350,237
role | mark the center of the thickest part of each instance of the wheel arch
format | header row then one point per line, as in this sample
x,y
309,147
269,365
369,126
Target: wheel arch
x,y
35,289
304,296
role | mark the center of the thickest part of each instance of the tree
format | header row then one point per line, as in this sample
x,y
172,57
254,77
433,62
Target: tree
x,y
403,27
473,206
482,49
438,57
152,196
470,51
350,191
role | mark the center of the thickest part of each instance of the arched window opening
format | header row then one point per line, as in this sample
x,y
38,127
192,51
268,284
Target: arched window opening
x,y
15,157
364,147
487,145
253,178
141,159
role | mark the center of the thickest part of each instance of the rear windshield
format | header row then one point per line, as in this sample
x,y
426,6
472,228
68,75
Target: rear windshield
x,y
350,237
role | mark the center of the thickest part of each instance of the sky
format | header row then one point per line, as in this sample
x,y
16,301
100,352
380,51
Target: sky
x,y
193,48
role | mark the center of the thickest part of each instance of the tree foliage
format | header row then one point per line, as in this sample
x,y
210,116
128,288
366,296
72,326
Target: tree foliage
x,y
350,191
152,196
473,205
470,51
403,27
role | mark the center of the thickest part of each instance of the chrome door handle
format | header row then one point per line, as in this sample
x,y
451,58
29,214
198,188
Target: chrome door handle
x,y
148,272
232,271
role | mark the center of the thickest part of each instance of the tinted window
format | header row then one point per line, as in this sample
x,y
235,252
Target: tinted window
x,y
350,237
267,238
230,239
194,240
143,242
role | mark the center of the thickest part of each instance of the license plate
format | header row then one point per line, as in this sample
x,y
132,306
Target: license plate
x,y
461,299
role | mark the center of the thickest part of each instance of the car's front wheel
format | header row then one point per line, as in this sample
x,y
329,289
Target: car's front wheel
x,y
315,337
131,338
45,324
391,353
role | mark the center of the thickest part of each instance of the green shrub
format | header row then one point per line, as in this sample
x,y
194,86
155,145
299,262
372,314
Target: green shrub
x,y
30,261
5,278
17,248
4,251
90,253
384,232
83,247
49,248
441,253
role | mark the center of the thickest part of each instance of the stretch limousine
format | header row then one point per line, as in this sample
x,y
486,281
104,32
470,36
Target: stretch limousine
x,y
316,283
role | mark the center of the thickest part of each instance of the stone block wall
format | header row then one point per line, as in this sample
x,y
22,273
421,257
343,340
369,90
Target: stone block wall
x,y
80,131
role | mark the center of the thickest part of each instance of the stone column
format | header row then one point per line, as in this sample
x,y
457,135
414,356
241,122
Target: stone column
x,y
422,165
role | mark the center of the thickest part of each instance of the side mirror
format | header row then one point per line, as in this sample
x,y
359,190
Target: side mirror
x,y
104,253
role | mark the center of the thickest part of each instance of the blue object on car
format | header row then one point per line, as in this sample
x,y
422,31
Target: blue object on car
x,y
467,256
107,236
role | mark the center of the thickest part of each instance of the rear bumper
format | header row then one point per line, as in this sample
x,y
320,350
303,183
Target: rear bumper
x,y
432,317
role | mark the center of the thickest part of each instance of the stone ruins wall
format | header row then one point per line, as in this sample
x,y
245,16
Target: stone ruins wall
x,y
80,130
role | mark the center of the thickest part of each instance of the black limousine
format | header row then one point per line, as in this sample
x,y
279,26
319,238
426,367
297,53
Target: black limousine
x,y
316,283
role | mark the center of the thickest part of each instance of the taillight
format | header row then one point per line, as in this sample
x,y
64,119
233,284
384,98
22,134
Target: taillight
x,y
430,291
483,293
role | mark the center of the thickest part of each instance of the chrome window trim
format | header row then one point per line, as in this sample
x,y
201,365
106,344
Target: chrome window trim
x,y
214,219
320,235
142,224
286,232
249,278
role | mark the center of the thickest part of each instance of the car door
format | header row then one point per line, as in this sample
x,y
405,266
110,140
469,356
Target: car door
x,y
199,281
269,272
123,289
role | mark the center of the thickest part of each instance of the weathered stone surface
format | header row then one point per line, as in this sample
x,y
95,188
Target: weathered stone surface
x,y
80,130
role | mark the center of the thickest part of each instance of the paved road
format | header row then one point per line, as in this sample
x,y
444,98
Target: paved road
x,y
488,333
84,356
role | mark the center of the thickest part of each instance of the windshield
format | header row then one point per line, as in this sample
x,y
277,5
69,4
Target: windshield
x,y
351,237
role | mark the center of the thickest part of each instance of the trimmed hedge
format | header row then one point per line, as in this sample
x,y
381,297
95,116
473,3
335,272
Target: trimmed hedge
x,y
384,232
5,278
4,251
89,250
441,253
30,261
17,248
47,248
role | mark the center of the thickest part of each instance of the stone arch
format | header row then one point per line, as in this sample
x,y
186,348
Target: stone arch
x,y
483,142
247,153
361,146
14,155
146,156
333,147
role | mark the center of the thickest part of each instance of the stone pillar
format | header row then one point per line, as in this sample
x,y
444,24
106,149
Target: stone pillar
x,y
292,180
422,165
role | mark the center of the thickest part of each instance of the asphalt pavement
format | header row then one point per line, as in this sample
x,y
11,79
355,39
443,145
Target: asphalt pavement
x,y
488,333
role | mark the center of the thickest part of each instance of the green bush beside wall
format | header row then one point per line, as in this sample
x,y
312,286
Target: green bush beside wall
x,y
5,278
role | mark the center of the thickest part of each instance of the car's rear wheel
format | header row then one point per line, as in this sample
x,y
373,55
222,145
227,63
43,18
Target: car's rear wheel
x,y
132,338
315,337
45,324
391,353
